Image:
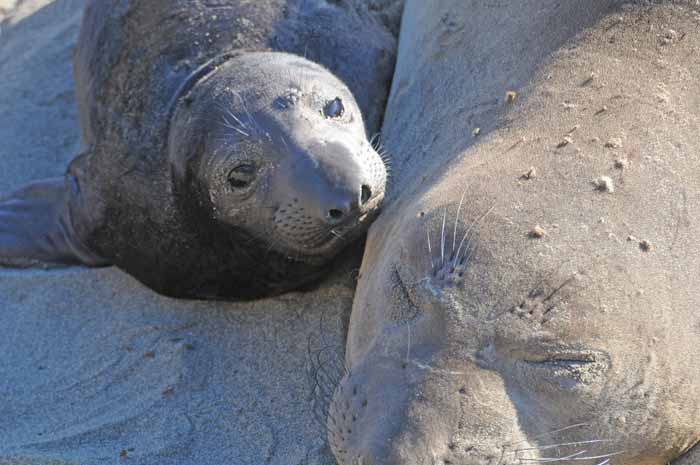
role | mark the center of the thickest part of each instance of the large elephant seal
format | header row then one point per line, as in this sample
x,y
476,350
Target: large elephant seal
x,y
533,297
215,165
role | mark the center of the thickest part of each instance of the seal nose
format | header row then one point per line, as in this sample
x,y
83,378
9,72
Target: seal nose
x,y
351,206
366,194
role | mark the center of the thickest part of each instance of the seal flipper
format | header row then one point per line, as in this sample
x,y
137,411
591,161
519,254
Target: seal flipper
x,y
36,229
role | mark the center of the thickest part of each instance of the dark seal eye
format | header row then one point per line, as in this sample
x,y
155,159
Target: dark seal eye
x,y
334,108
242,175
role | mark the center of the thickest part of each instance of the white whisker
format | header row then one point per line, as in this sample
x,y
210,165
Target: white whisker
x,y
555,459
374,139
430,250
454,234
235,118
466,234
553,446
227,124
547,433
442,238
574,458
471,250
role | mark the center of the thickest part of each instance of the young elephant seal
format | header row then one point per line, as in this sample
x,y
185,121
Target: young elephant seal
x,y
535,299
214,165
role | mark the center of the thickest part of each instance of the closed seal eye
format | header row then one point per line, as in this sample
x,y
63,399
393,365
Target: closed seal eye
x,y
568,368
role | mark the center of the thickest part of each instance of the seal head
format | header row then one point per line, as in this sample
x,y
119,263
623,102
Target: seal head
x,y
272,176
474,355
275,145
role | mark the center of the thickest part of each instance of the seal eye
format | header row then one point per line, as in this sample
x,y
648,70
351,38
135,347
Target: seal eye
x,y
241,176
567,369
334,108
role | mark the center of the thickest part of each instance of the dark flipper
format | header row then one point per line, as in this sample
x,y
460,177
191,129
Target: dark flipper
x,y
36,230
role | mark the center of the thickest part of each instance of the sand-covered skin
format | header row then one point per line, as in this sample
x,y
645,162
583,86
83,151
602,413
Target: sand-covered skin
x,y
557,304
96,368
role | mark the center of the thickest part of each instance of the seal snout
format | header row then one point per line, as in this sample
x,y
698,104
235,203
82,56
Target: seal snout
x,y
328,192
333,184
345,186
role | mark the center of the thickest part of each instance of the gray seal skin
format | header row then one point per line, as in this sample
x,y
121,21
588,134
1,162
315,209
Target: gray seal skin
x,y
215,164
533,296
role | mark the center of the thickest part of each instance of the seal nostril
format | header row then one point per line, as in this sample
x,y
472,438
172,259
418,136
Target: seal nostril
x,y
366,194
335,214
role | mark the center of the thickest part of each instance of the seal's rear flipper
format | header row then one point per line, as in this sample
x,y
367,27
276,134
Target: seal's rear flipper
x,y
35,228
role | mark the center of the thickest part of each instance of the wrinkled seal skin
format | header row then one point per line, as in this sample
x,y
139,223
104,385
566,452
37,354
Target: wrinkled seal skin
x,y
477,338
174,96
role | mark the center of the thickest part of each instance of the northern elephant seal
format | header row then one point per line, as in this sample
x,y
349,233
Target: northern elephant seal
x,y
533,297
215,164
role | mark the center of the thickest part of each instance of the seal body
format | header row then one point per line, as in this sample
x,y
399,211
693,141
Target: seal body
x,y
225,150
532,297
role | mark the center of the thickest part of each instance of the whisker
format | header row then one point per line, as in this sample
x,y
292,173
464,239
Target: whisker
x,y
555,459
228,112
442,239
251,120
466,234
561,430
574,458
464,238
228,125
470,251
235,118
373,140
547,433
454,233
596,457
553,446
241,129
430,250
